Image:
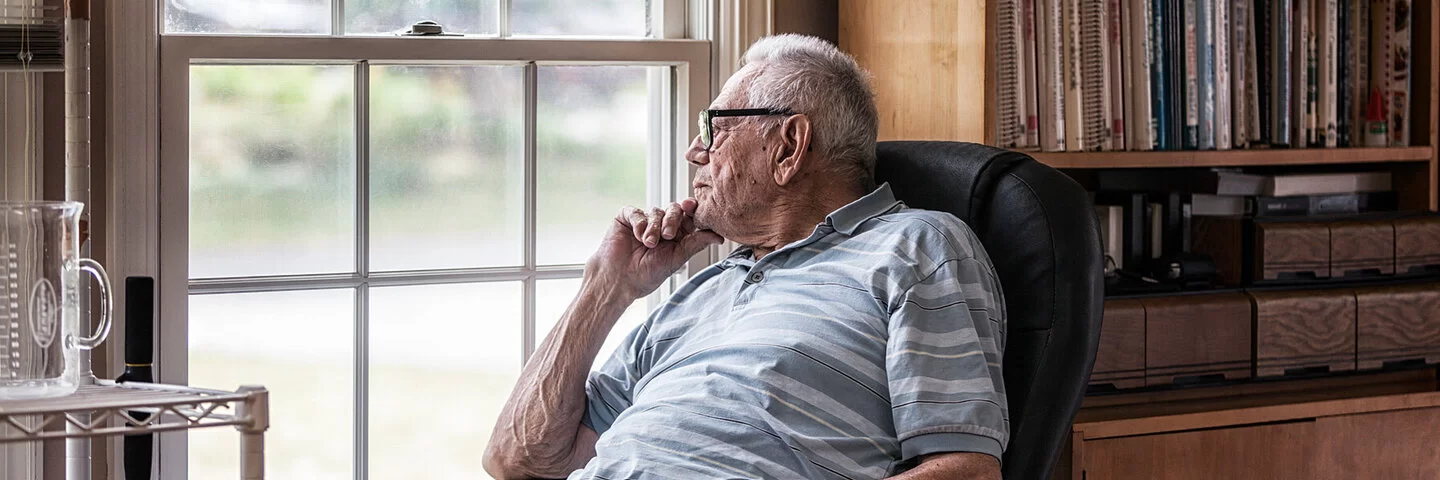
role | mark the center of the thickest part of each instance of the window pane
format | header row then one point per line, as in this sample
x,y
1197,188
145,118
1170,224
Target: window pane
x,y
447,166
443,359
628,18
250,16
272,170
592,127
300,346
552,297
474,17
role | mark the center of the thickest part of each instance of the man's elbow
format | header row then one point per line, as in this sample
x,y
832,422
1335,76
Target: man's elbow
x,y
500,465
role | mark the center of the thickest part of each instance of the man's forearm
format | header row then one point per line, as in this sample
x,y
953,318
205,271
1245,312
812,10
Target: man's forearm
x,y
958,465
536,433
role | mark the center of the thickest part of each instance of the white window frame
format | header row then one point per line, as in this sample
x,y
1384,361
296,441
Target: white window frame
x,y
150,88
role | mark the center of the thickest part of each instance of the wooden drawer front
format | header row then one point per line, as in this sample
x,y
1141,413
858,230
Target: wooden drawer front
x,y
1417,244
1393,444
1304,329
1292,249
1284,450
1121,359
1362,248
1197,335
1397,324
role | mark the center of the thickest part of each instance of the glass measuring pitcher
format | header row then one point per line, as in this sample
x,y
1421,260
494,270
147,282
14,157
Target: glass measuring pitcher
x,y
40,269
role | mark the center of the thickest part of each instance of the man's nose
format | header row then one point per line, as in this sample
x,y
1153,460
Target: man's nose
x,y
697,155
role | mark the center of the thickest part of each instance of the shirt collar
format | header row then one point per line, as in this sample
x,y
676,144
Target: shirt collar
x,y
876,203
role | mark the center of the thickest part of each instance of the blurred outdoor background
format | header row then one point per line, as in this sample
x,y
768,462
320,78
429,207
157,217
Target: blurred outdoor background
x,y
273,172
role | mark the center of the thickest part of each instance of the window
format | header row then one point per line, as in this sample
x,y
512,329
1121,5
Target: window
x,y
380,228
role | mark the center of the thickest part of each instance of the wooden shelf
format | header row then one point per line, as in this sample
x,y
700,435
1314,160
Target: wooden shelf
x,y
1232,158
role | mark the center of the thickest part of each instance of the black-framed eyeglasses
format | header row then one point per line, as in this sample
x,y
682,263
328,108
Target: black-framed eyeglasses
x,y
707,135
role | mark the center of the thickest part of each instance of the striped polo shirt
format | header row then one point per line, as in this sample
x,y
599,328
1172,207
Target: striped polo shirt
x,y
848,354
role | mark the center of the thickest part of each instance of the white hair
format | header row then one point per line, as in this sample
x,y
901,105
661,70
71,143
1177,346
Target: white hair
x,y
810,76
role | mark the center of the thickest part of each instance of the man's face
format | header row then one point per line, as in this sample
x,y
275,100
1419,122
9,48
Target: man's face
x,y
733,179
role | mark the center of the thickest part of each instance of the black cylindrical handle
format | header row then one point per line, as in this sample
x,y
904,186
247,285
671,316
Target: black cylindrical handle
x,y
139,450
139,320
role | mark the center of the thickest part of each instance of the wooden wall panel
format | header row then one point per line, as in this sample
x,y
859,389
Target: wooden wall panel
x,y
927,61
1268,451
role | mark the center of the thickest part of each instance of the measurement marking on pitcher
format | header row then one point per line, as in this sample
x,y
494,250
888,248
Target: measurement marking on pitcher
x,y
43,313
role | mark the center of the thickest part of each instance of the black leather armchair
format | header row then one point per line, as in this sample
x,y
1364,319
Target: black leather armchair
x,y
1044,239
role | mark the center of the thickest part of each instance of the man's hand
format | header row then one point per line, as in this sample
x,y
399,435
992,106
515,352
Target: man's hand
x,y
644,247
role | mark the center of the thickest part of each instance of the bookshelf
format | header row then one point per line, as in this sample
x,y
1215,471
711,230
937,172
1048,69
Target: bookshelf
x,y
933,67
934,72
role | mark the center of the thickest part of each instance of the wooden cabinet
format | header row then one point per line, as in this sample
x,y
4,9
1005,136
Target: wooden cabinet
x,y
1386,436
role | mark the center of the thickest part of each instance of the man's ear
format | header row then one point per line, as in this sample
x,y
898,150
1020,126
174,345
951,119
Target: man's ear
x,y
794,148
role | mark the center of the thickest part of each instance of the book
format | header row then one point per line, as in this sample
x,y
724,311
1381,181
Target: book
x,y
1281,69
1050,69
1075,126
1306,205
1112,232
1359,85
1029,78
1095,76
1191,74
1382,32
1327,20
1175,69
1239,36
1220,30
1009,91
1159,75
1116,88
1205,76
1285,185
1253,117
1300,205
1398,80
1215,182
1300,67
1344,72
1135,241
1264,73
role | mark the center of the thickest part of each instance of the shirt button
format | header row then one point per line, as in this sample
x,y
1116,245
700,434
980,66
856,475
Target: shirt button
x,y
756,277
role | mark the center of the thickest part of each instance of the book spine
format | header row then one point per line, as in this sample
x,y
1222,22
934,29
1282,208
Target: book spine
x,y
1192,75
1253,117
1142,50
1381,55
1118,89
1075,126
1221,31
1007,64
1264,74
1240,53
1095,75
1175,54
1328,54
1312,78
1360,86
1159,75
1281,68
1344,72
1052,77
1028,77
1205,78
1399,78
1301,65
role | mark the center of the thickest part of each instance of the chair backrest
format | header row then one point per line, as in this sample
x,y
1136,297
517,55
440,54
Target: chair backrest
x,y
1042,235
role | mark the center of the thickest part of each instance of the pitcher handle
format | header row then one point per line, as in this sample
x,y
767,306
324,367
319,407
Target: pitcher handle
x,y
93,268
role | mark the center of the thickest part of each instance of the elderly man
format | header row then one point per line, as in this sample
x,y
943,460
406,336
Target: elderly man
x,y
850,337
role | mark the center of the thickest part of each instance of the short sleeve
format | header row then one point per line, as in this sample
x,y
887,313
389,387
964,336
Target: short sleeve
x,y
609,390
943,361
